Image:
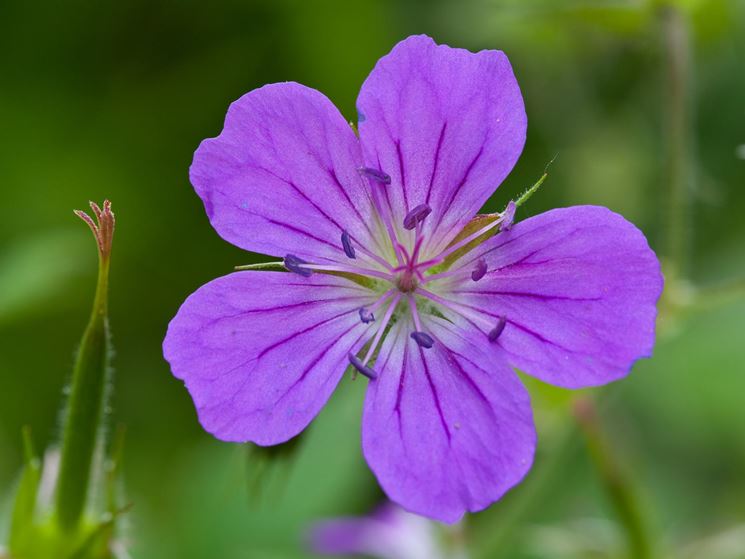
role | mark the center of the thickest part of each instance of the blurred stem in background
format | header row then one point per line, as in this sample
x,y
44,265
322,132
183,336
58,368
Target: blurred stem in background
x,y
84,410
678,219
491,536
616,482
679,172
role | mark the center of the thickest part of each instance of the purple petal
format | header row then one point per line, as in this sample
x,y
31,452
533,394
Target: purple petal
x,y
447,125
578,287
448,429
388,533
282,175
261,352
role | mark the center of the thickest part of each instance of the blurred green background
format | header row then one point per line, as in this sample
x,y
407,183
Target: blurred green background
x,y
110,99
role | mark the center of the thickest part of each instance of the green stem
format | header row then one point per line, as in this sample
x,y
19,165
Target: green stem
x,y
617,485
84,411
677,138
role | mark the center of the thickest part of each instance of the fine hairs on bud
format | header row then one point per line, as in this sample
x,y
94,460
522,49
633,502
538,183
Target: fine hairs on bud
x,y
88,392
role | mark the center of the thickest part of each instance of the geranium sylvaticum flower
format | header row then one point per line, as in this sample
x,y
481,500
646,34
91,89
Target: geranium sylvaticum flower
x,y
388,268
389,532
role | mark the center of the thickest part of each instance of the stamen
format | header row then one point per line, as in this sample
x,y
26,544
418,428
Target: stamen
x,y
381,207
416,216
497,330
346,269
373,256
508,216
414,312
480,270
293,264
381,328
369,372
457,274
460,244
366,316
367,312
463,310
375,174
423,339
346,242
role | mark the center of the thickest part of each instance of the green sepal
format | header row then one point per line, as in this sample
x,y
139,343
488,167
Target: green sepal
x,y
364,281
97,542
481,221
113,470
271,266
24,507
478,222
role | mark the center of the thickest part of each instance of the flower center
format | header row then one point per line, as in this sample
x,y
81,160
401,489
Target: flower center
x,y
405,281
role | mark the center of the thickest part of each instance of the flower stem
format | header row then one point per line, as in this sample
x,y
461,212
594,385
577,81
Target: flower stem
x,y
84,411
616,484
677,138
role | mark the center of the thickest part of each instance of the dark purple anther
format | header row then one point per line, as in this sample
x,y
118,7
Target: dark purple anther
x,y
294,264
366,316
375,175
416,216
497,330
423,339
346,242
480,270
361,368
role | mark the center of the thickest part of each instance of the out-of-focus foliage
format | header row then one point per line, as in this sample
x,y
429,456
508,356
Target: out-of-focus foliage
x,y
110,99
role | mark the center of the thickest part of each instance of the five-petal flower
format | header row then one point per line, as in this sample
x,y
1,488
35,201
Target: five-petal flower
x,y
394,274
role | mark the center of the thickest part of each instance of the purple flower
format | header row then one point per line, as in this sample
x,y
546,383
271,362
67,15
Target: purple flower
x,y
393,273
388,533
